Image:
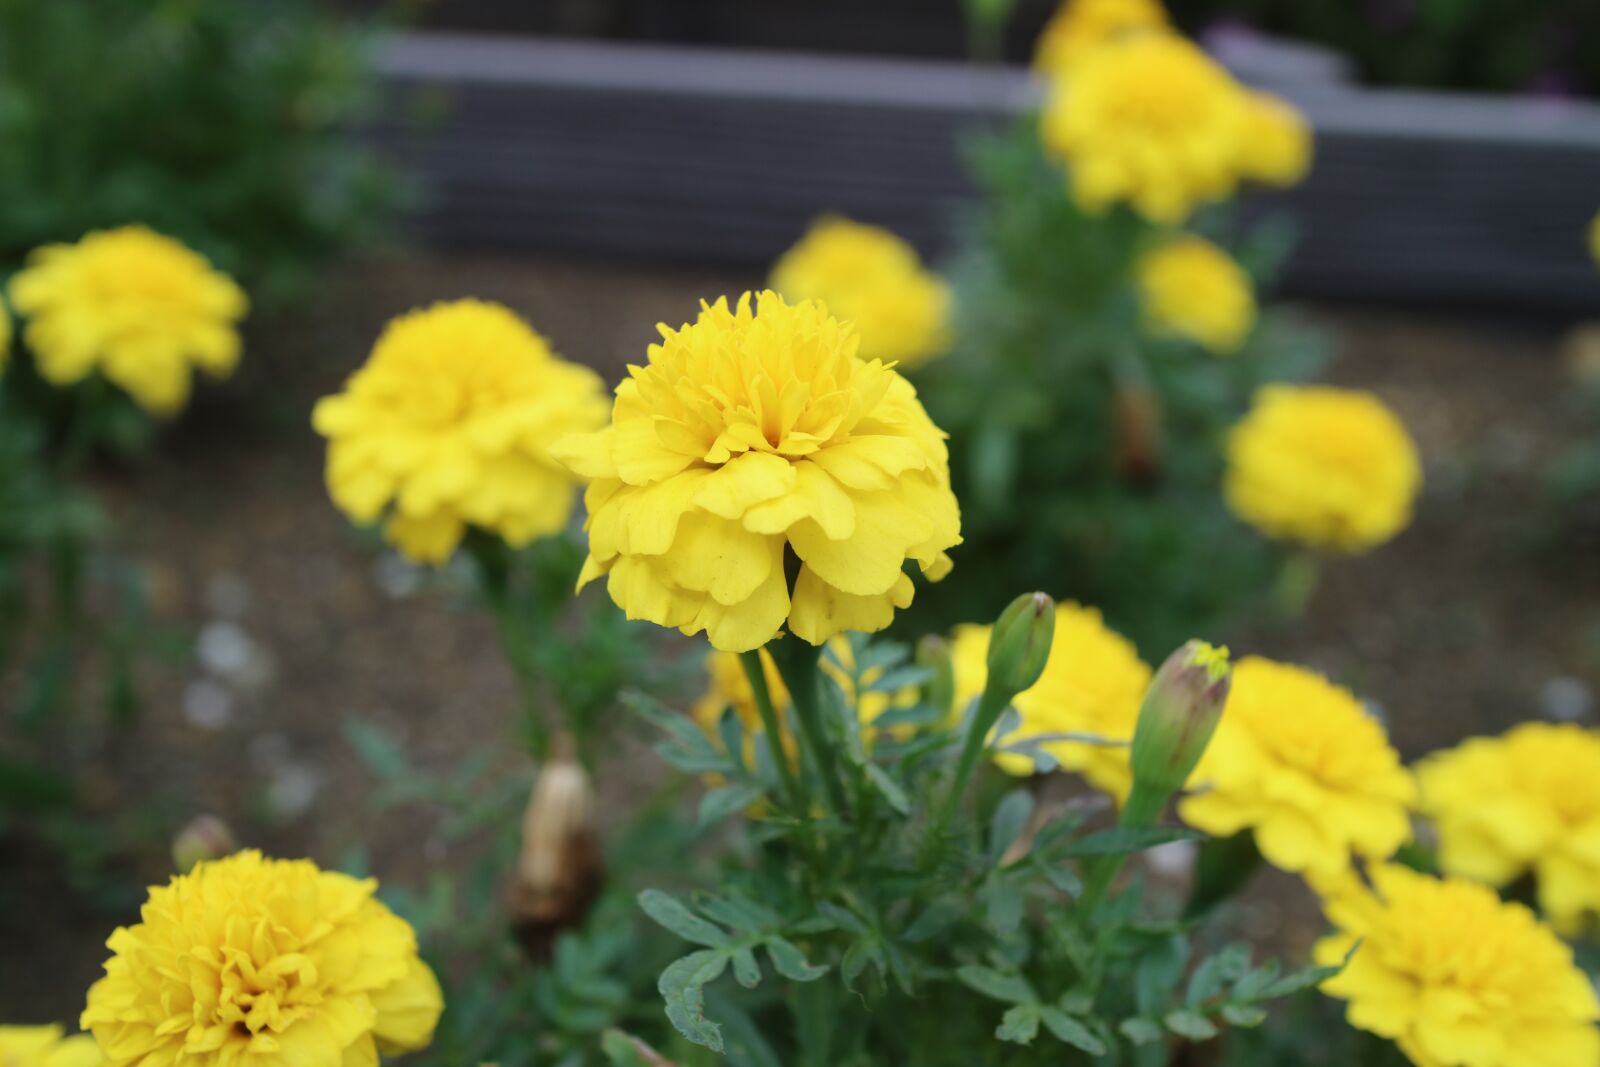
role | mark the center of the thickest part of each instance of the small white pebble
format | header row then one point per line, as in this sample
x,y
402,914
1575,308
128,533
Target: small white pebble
x,y
1173,860
1566,699
293,790
207,705
396,576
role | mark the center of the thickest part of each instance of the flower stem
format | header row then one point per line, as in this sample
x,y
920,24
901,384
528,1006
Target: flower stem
x,y
493,567
1142,809
797,664
990,705
793,788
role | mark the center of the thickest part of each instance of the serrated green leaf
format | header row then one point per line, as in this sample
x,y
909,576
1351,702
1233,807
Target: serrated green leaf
x,y
682,987
721,803
842,918
1190,1025
1243,1015
888,787
934,920
1003,904
1019,1025
746,971
1071,1031
671,913
1012,988
737,912
1125,840
1141,1031
791,962
1006,824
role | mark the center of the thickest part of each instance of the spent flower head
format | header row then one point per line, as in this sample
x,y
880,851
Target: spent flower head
x,y
759,476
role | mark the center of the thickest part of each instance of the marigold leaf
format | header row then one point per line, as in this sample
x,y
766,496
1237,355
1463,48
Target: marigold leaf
x,y
674,915
791,962
1019,1025
991,983
1070,1031
721,803
1191,1025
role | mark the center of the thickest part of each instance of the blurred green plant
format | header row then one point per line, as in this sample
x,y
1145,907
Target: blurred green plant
x,y
1086,450
225,125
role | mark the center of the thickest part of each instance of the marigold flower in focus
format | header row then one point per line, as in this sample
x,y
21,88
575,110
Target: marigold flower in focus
x,y
1080,26
1333,468
1455,976
47,1046
1276,148
1298,761
1195,290
868,276
1151,121
758,475
267,962
140,308
1092,684
1525,802
449,424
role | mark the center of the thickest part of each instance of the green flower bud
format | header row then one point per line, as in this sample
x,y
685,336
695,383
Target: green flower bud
x,y
206,837
1020,644
1180,713
939,691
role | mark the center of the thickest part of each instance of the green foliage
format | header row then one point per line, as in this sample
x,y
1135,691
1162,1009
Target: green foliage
x,y
224,125
1087,454
897,935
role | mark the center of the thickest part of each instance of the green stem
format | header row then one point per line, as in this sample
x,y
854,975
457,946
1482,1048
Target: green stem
x,y
493,562
794,790
990,705
1142,809
797,665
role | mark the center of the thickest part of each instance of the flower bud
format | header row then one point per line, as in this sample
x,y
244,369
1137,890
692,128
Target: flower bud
x,y
559,871
1020,644
206,837
1180,713
939,691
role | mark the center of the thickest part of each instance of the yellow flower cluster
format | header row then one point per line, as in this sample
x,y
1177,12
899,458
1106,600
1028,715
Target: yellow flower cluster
x,y
757,474
1092,684
1080,26
728,686
868,276
247,960
449,424
46,1046
1195,290
1150,120
1525,802
1298,761
1455,976
1333,468
1277,141
138,307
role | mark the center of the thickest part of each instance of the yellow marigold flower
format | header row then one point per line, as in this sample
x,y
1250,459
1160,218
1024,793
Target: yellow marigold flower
x,y
868,276
729,687
450,421
265,962
1092,684
46,1046
1299,761
140,308
1528,801
755,437
1455,976
1193,289
1333,468
1151,121
1276,148
1080,26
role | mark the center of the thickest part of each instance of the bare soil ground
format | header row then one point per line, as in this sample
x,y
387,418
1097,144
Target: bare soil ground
x,y
1478,616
